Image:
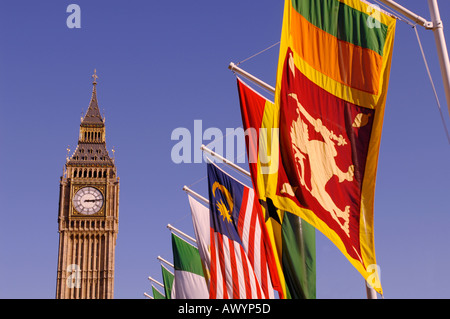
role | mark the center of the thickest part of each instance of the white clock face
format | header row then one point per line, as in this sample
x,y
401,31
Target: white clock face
x,y
88,200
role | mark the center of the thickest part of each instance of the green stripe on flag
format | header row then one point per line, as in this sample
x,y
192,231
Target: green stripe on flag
x,y
299,257
186,257
168,281
343,22
157,294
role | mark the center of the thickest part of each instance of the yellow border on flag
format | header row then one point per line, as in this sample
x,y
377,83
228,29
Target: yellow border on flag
x,y
364,99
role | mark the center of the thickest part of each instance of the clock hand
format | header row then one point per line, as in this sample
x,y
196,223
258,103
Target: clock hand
x,y
91,200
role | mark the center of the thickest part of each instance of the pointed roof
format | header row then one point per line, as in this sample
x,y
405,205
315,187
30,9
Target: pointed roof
x,y
91,151
93,115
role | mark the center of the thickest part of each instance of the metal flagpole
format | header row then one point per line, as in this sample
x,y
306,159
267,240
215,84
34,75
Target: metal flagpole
x,y
147,295
409,14
155,281
223,159
165,261
254,79
190,191
181,233
438,29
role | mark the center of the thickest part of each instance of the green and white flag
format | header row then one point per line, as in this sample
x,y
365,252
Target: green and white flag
x,y
167,280
157,294
189,281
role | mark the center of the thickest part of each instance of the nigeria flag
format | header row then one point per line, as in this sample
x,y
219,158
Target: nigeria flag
x,y
189,282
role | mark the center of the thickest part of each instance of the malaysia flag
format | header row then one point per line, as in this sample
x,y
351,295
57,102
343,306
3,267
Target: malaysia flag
x,y
240,254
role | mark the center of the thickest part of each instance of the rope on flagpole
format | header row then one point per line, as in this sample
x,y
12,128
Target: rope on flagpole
x,y
262,51
432,84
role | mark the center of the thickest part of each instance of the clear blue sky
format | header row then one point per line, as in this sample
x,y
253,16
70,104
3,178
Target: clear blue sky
x,y
162,65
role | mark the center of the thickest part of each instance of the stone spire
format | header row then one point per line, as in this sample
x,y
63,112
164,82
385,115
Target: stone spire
x,y
93,115
91,149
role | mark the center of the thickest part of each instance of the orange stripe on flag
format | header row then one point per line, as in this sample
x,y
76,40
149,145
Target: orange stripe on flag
x,y
342,61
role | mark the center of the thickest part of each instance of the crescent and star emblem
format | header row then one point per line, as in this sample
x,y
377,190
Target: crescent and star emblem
x,y
224,212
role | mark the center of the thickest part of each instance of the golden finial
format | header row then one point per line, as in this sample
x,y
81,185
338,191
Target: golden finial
x,y
95,76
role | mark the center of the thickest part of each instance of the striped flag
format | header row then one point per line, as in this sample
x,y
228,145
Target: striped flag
x,y
189,281
157,294
168,281
241,255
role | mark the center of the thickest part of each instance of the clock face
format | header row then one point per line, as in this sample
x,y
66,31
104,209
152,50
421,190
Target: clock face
x,y
88,200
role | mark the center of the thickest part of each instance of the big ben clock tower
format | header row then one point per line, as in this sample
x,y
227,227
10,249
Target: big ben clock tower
x,y
88,214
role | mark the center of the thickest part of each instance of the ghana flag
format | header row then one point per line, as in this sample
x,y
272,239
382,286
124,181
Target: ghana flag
x,y
292,238
332,80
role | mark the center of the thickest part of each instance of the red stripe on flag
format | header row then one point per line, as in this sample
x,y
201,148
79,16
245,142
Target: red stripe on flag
x,y
233,265
248,288
213,270
242,212
251,237
221,252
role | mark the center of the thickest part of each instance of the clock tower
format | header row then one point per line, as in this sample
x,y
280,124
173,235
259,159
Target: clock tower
x,y
88,215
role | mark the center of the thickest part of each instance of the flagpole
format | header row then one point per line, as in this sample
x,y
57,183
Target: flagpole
x,y
371,293
409,14
190,191
165,261
181,233
441,46
223,159
155,281
147,295
438,29
254,79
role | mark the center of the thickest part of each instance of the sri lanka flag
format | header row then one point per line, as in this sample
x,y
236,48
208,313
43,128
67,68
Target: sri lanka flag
x,y
332,80
242,263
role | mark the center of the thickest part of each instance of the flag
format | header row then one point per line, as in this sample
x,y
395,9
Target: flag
x,y
200,221
332,79
157,294
189,281
242,262
168,277
298,239
293,238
